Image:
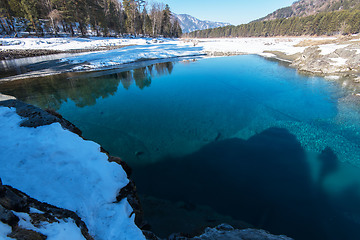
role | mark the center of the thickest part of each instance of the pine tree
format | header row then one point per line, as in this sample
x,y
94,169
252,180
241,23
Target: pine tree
x,y
165,23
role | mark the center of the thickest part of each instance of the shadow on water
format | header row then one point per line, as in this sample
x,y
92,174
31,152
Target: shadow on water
x,y
52,91
264,181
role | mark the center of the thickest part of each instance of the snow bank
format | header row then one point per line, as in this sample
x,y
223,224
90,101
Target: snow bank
x,y
129,54
56,166
4,231
63,44
252,45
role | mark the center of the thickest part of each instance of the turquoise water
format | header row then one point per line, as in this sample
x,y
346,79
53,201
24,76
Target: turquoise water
x,y
249,138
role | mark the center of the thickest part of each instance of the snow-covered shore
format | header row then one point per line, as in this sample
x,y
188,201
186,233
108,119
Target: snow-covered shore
x,y
333,50
56,166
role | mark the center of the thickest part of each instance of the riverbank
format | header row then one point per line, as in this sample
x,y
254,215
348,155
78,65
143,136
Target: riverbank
x,y
9,54
320,55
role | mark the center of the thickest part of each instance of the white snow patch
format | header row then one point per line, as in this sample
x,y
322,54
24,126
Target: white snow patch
x,y
56,166
338,61
332,77
34,210
252,45
67,43
330,48
4,231
268,55
63,229
129,54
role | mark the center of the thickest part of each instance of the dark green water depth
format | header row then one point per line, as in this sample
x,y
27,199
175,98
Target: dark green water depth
x,y
246,138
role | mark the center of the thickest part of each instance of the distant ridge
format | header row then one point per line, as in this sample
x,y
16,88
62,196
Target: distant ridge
x,y
189,23
304,17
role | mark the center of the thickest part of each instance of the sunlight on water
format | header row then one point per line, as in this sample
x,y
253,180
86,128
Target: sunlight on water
x,y
250,139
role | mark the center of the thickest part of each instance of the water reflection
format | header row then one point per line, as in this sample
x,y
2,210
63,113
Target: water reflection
x,y
51,92
265,181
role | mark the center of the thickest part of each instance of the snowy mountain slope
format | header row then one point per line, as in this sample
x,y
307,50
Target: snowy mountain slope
x,y
189,23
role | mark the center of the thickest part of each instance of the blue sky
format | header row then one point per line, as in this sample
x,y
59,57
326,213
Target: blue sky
x,y
231,11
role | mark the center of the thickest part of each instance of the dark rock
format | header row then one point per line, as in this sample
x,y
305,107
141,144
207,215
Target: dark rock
x,y
150,235
179,236
227,232
123,164
129,192
15,200
37,117
25,234
7,217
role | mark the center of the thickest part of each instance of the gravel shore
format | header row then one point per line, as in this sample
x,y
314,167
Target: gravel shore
x,y
17,53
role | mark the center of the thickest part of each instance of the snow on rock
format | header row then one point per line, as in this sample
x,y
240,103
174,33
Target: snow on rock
x,y
338,61
56,166
62,229
330,48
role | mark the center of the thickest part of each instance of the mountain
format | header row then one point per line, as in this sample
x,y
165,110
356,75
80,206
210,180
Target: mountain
x,y
305,8
189,23
304,17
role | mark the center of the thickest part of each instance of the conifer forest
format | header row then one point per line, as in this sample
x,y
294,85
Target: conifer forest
x,y
87,17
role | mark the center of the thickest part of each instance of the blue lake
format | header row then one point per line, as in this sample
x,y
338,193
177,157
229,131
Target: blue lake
x,y
246,138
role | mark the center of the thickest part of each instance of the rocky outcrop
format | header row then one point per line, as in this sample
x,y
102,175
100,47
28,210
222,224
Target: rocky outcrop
x,y
342,60
35,117
14,202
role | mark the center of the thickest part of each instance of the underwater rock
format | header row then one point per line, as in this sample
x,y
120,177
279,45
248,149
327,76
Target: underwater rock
x,y
227,232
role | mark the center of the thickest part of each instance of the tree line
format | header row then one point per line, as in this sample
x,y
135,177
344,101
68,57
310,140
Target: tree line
x,y
82,17
327,23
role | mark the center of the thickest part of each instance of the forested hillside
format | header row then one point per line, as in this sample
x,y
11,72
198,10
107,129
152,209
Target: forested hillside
x,y
305,8
326,23
87,17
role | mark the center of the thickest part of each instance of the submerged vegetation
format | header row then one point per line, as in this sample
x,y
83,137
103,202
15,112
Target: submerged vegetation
x,y
325,23
87,17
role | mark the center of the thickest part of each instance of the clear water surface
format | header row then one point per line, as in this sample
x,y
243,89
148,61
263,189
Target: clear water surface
x,y
238,139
